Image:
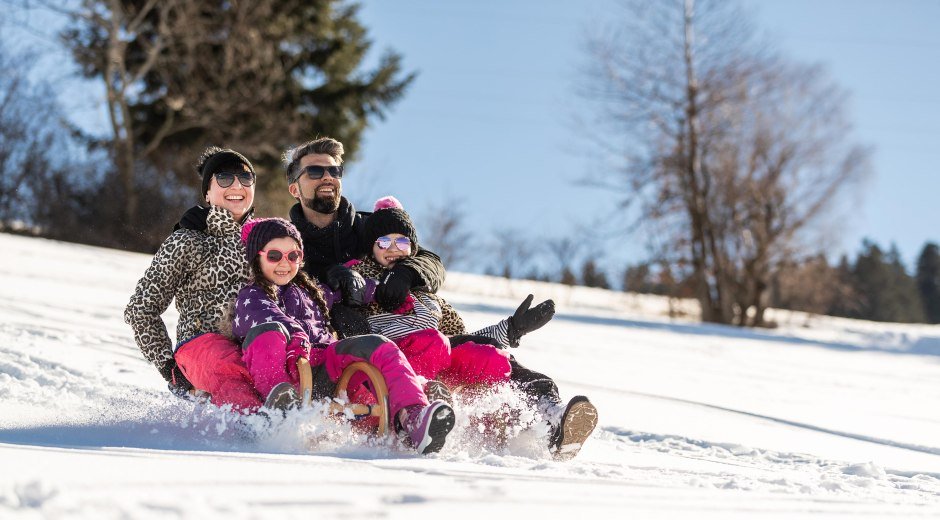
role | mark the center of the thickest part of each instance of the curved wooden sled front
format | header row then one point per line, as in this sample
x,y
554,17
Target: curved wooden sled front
x,y
360,411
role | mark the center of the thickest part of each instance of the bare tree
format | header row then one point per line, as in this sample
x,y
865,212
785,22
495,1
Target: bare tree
x,y
737,148
511,253
30,134
565,251
444,233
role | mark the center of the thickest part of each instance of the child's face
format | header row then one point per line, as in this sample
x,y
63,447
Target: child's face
x,y
282,271
388,257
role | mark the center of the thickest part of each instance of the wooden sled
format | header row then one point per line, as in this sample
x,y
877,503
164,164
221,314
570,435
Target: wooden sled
x,y
379,389
359,411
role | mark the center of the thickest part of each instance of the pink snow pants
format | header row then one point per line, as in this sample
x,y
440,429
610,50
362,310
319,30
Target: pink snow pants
x,y
213,363
428,352
265,355
472,363
402,382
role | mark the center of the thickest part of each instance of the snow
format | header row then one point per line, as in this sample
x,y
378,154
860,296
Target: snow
x,y
821,417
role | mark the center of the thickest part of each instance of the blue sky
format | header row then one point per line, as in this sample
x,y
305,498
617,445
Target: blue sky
x,y
489,119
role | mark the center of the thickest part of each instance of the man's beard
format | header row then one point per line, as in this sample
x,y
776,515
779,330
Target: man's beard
x,y
325,205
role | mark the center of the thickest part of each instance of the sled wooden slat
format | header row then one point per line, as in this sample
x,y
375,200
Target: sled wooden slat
x,y
379,389
306,381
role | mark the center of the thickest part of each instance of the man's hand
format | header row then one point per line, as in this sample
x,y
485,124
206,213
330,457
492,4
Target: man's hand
x,y
195,218
394,287
347,321
350,283
525,320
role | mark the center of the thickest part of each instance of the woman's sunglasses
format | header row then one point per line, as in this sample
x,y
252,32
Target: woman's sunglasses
x,y
226,179
275,255
317,172
402,243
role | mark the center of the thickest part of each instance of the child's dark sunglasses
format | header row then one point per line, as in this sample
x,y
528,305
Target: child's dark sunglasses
x,y
317,172
402,243
275,255
226,179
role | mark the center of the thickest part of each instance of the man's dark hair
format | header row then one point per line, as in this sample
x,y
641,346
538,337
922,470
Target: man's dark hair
x,y
321,145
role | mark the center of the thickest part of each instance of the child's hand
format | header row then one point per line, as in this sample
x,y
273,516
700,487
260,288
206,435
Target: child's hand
x,y
395,286
525,320
296,349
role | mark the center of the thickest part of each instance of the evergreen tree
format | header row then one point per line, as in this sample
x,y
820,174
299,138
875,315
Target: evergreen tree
x,y
256,76
568,277
592,277
887,292
928,281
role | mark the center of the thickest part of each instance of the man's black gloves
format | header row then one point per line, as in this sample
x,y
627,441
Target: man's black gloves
x,y
176,381
195,218
349,282
395,286
525,320
347,321
460,339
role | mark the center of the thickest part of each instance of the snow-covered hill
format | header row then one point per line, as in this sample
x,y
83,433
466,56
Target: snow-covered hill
x,y
819,418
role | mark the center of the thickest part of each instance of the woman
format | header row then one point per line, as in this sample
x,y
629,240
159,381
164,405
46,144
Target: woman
x,y
202,269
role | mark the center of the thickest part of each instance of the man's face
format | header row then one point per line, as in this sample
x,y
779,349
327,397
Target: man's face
x,y
321,195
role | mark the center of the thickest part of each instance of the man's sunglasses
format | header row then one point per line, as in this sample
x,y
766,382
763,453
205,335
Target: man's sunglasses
x,y
226,179
317,172
402,243
275,255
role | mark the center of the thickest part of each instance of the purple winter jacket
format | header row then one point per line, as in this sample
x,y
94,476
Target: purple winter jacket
x,y
295,310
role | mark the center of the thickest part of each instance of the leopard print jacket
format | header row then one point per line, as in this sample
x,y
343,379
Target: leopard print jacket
x,y
202,270
450,323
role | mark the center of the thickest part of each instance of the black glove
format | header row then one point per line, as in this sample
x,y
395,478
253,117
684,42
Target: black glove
x,y
460,339
176,381
195,218
525,320
395,286
347,321
349,282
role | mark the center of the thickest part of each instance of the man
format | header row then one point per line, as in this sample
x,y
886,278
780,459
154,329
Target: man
x,y
331,228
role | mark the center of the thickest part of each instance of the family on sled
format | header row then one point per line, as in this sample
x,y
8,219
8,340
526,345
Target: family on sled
x,y
334,286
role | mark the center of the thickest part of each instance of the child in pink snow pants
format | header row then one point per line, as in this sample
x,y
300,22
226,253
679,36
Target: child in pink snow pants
x,y
282,315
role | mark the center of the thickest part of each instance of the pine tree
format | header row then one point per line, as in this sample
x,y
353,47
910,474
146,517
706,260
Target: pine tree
x,y
592,277
886,291
255,76
928,281
568,277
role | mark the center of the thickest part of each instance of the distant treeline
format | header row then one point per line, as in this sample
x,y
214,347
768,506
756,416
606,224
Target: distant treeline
x,y
875,285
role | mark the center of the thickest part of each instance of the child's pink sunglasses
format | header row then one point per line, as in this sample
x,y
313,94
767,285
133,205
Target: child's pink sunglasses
x,y
275,255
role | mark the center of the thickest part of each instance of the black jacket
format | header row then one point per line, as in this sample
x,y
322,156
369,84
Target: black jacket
x,y
339,242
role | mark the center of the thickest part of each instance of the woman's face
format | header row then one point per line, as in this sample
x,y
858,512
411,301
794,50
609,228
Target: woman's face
x,y
282,271
387,257
237,198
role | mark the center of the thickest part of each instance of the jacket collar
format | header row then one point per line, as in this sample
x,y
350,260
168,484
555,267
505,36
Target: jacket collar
x,y
220,222
345,217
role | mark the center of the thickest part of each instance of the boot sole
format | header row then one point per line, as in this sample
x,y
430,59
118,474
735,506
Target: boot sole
x,y
578,424
283,397
441,423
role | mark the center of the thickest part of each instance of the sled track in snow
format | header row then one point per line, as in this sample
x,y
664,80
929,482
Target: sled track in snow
x,y
796,424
